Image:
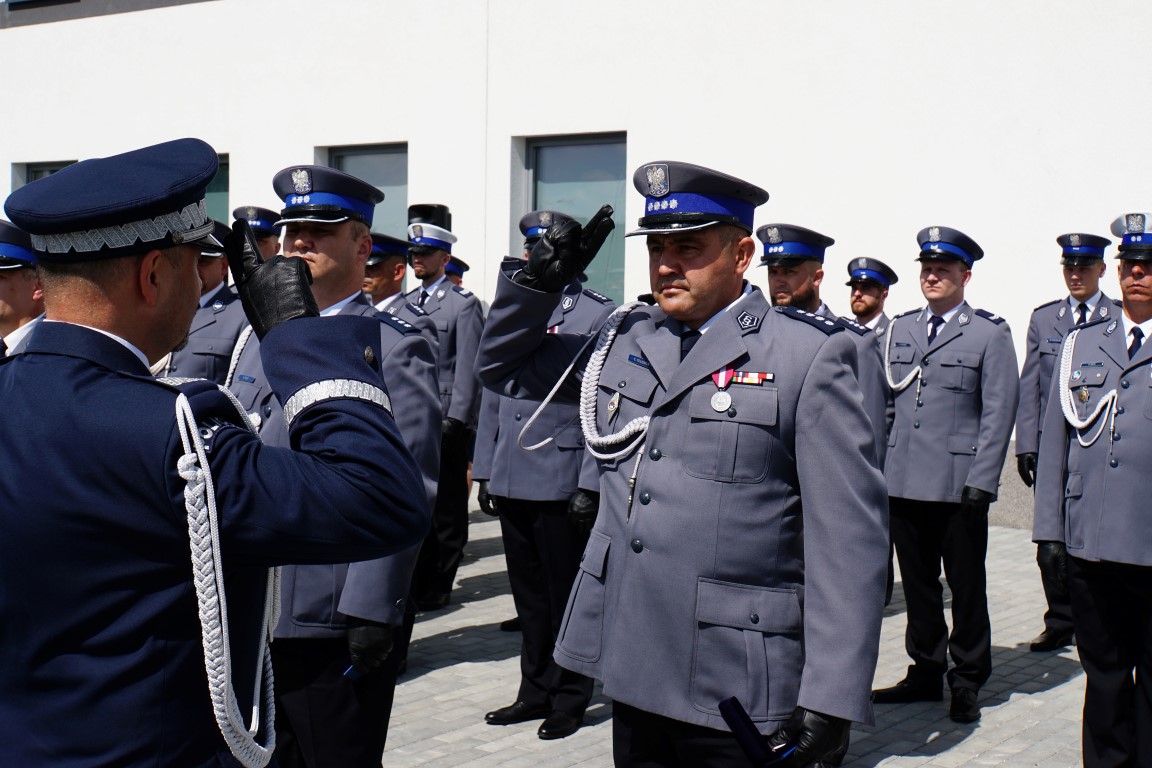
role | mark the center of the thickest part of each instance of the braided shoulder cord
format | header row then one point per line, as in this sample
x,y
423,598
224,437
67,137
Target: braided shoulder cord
x,y
241,341
1066,400
208,578
903,383
635,430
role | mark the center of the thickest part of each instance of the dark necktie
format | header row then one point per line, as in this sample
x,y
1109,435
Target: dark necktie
x,y
423,298
688,340
1137,340
1081,313
3,348
935,322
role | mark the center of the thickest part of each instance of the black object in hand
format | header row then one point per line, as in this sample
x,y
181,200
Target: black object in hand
x,y
814,735
369,643
754,746
565,251
271,291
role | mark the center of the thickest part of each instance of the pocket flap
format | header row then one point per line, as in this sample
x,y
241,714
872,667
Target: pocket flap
x,y
1074,488
632,381
743,606
750,404
965,359
569,437
595,555
201,344
246,393
1088,376
962,444
901,354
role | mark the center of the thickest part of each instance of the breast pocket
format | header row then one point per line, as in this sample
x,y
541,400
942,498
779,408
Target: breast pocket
x,y
960,371
901,359
748,644
1086,384
626,393
734,444
211,353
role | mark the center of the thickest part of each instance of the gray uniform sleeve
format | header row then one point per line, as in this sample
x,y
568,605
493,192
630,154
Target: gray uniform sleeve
x,y
999,394
466,388
1048,507
1028,415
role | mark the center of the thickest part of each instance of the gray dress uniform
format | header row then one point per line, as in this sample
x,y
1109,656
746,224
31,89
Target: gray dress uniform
x,y
533,489
412,314
456,313
953,422
211,338
706,576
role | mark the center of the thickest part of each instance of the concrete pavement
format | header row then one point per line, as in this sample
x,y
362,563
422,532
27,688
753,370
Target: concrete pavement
x,y
461,666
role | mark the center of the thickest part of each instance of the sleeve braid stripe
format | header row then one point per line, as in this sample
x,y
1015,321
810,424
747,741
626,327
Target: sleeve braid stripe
x,y
332,389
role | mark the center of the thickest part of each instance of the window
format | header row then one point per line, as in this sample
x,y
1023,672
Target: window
x,y
385,166
216,196
25,173
576,175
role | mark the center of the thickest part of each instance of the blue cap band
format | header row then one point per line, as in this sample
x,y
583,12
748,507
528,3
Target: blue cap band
x,y
392,251
1073,250
948,248
535,232
690,202
1136,239
15,252
450,267
363,209
794,249
262,224
432,242
869,274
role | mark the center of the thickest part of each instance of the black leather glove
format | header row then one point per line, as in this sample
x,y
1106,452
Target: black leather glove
x,y
1026,466
271,291
565,251
453,428
974,505
1052,557
369,643
487,503
816,736
582,509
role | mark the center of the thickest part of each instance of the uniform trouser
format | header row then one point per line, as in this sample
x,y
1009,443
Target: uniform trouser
x,y
1112,615
443,548
925,534
643,740
324,719
543,554
1058,617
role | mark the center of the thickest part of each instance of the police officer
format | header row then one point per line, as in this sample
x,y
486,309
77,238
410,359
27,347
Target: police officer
x,y
383,279
737,467
794,257
459,320
105,661
263,223
455,270
953,370
870,280
21,298
1092,500
1083,260
217,325
546,507
339,639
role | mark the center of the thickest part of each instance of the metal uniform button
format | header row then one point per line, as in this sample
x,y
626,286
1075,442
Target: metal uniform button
x,y
754,618
732,412
655,454
1121,410
517,417
1113,463
1124,383
637,546
926,361
645,497
1116,436
621,385
370,356
267,411
919,403
915,425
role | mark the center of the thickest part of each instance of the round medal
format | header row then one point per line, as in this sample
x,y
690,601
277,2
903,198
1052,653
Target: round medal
x,y
721,401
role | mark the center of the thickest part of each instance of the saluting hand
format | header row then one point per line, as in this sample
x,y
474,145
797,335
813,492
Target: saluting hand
x,y
271,291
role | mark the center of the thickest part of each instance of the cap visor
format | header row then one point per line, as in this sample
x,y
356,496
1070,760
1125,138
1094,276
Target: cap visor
x,y
315,217
670,230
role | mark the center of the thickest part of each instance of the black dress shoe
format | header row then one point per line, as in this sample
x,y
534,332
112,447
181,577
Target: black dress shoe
x,y
432,601
964,708
516,712
910,689
558,725
510,625
1051,640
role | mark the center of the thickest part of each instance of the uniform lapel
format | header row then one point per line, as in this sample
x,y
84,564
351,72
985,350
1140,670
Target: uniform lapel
x,y
1113,345
204,317
358,306
662,350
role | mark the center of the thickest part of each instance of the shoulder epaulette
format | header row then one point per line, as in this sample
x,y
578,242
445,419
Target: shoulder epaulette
x,y
855,327
461,290
416,310
1042,306
597,296
823,323
990,316
401,325
909,312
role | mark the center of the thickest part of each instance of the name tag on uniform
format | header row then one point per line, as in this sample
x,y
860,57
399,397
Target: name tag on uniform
x,y
248,379
1054,341
901,344
637,360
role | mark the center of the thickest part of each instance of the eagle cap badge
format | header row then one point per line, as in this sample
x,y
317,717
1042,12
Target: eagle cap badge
x,y
301,181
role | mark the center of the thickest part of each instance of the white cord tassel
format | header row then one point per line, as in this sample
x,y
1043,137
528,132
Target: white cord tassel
x,y
1069,406
208,577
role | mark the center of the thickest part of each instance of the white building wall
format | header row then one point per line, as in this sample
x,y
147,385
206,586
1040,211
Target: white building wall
x,y
1013,120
